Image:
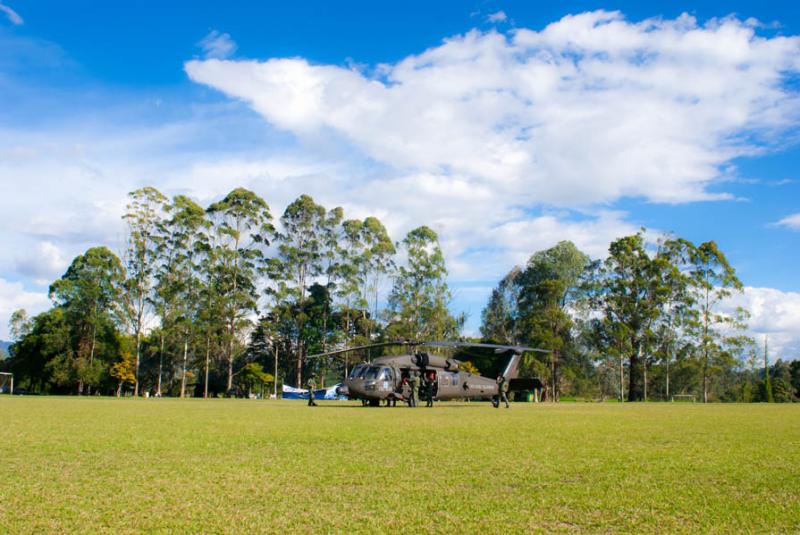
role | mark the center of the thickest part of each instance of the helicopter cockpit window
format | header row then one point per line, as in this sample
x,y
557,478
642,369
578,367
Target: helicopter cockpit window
x,y
455,379
357,371
386,374
372,373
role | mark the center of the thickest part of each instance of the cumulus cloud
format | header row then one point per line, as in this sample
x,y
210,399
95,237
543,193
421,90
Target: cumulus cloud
x,y
791,221
588,110
13,296
43,263
504,143
12,15
217,45
774,314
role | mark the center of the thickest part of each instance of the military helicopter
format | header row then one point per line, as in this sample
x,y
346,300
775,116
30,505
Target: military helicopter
x,y
385,378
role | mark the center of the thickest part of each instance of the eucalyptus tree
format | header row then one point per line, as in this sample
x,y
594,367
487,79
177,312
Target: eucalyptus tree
x,y
420,293
297,263
144,215
351,273
677,306
242,228
178,288
211,323
19,325
499,317
627,290
377,260
546,290
713,280
89,293
332,258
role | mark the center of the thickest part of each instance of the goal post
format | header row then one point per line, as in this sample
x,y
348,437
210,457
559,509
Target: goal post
x,y
683,397
6,382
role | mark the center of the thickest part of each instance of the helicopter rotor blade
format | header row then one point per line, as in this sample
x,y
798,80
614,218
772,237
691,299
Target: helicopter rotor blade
x,y
368,346
497,347
443,343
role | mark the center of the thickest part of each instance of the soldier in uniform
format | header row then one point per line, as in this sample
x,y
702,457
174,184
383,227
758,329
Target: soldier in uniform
x,y
414,382
431,386
312,385
502,391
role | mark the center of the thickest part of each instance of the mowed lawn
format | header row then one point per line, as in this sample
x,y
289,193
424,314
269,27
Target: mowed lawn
x,y
218,466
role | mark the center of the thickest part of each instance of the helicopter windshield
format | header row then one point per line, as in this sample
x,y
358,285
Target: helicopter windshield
x,y
372,373
357,371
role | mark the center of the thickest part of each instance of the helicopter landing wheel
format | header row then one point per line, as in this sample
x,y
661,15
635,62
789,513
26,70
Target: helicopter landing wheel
x,y
374,403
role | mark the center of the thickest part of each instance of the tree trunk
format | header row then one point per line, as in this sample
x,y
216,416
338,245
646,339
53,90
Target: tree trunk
x,y
636,376
621,379
669,358
230,360
138,358
644,364
160,364
208,351
275,377
299,364
183,377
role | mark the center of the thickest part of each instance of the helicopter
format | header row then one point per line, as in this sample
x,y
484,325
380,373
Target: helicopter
x,y
385,378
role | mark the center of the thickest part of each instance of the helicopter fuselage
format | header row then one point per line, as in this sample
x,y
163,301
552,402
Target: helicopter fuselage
x,y
387,378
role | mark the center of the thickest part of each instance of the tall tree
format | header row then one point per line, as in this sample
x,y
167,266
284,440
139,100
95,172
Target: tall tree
x,y
627,289
499,318
299,261
352,275
377,260
332,264
546,288
420,294
19,325
178,288
143,215
713,280
89,293
675,319
242,228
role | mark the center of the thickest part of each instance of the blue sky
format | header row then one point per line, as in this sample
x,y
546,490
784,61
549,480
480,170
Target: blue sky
x,y
97,98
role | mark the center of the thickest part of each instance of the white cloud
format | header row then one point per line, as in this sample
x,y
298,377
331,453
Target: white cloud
x,y
12,15
44,263
590,109
504,144
792,222
497,16
13,296
775,314
217,45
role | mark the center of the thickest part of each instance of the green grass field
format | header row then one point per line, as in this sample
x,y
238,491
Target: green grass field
x,y
121,466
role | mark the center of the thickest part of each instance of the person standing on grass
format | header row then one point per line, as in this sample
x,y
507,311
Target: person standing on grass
x,y
428,386
502,391
414,382
311,384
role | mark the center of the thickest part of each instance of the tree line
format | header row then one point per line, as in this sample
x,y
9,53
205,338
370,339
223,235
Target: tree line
x,y
644,323
224,299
